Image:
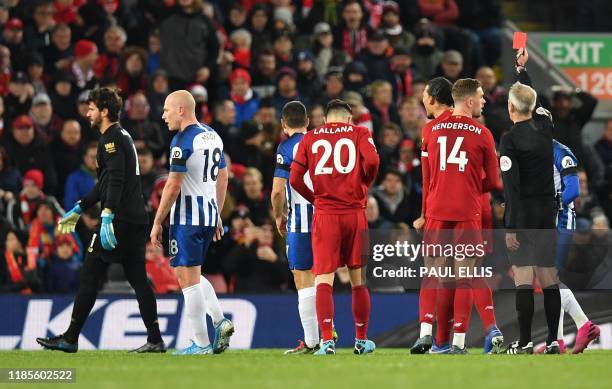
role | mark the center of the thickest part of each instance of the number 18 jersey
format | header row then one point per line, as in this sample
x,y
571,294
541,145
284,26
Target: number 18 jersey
x,y
196,151
457,150
342,161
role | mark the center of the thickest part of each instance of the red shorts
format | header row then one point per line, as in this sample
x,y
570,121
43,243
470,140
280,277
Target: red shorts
x,y
337,240
452,232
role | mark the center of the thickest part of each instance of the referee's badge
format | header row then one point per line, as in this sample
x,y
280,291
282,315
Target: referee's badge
x,y
505,163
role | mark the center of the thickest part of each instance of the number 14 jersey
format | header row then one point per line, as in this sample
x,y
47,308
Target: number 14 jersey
x,y
197,151
457,149
342,162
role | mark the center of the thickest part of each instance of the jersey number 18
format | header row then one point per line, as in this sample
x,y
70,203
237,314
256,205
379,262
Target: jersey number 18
x,y
214,169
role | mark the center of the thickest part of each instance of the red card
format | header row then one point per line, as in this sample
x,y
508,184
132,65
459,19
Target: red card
x,y
519,41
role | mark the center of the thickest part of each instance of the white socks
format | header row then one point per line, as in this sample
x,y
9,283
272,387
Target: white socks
x,y
459,339
308,315
426,329
213,308
560,328
571,306
195,308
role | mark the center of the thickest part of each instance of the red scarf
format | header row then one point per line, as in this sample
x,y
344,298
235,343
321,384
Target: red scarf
x,y
404,87
14,266
28,206
352,45
384,113
41,240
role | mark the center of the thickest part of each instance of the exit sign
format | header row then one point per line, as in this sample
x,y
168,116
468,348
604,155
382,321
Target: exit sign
x,y
586,59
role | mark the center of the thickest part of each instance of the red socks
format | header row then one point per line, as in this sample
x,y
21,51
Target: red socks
x,y
427,300
464,299
444,312
325,310
483,299
361,310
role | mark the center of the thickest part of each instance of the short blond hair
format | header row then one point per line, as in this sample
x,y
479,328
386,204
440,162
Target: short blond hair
x,y
253,172
522,97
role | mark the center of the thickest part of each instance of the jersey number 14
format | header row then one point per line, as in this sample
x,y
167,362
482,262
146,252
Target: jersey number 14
x,y
456,156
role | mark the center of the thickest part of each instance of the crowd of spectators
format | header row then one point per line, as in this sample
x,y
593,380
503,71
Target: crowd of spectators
x,y
242,60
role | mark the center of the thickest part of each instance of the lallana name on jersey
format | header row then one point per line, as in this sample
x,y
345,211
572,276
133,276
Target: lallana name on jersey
x,y
333,130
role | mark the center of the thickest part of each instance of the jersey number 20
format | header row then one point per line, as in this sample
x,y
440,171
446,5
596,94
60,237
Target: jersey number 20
x,y
456,156
337,151
214,169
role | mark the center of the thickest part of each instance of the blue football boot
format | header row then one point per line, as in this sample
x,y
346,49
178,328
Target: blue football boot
x,y
194,349
494,341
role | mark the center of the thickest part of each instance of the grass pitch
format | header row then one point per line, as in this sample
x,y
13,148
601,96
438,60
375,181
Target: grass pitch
x,y
270,369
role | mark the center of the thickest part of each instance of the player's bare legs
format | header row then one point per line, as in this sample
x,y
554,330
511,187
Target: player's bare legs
x,y
304,283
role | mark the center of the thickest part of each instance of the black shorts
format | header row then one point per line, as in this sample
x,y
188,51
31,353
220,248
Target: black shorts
x,y
537,234
131,242
537,248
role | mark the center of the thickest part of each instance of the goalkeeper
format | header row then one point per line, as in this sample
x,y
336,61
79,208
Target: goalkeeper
x,y
122,234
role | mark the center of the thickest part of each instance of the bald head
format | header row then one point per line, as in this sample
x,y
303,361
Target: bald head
x,y
179,110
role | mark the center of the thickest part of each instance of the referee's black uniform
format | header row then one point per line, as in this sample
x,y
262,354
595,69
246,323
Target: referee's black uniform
x,y
119,189
526,163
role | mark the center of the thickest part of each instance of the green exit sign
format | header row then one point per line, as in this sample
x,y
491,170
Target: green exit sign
x,y
578,51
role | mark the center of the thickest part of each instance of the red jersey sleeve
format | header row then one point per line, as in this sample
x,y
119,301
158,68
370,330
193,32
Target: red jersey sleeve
x,y
491,180
369,156
299,167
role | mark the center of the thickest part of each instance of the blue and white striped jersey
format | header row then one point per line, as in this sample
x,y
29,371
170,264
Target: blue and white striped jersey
x,y
299,218
567,185
196,151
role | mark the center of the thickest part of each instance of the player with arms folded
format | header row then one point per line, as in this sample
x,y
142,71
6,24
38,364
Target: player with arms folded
x,y
194,195
458,149
342,161
296,224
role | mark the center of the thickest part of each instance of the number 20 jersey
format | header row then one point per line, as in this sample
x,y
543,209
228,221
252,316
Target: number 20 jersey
x,y
457,149
196,151
337,156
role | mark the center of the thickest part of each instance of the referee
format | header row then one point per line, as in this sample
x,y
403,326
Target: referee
x,y
526,156
122,234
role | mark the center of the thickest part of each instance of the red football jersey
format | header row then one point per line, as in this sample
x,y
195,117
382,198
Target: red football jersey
x,y
426,130
458,149
342,162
